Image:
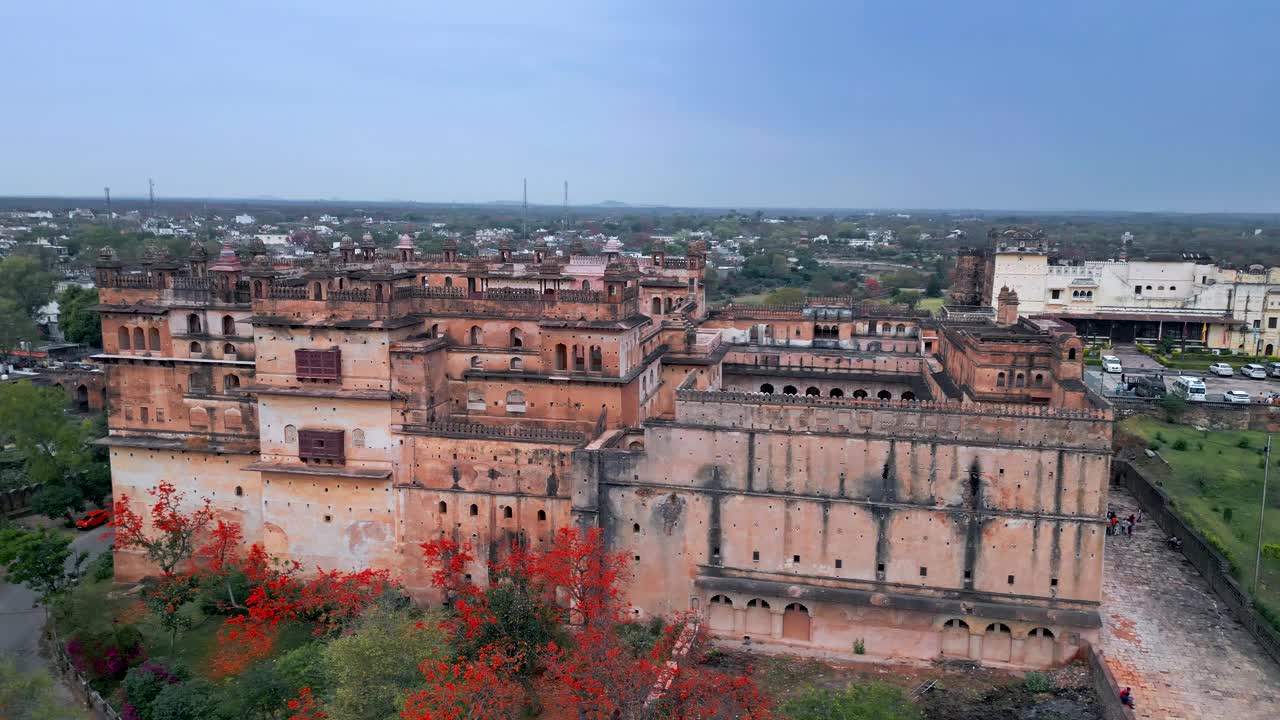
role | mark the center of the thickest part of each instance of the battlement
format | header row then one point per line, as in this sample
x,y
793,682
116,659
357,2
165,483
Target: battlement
x,y
476,430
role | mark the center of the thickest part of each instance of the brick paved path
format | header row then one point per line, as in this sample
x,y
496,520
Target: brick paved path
x,y
1171,639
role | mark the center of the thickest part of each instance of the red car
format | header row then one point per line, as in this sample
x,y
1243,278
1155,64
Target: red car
x,y
93,519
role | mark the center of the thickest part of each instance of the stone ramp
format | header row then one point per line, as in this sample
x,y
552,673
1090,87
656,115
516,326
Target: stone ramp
x,y
1166,635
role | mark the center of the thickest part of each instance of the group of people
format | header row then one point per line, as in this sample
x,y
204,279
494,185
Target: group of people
x,y
1116,526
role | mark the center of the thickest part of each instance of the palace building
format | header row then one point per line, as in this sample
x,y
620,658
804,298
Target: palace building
x,y
809,475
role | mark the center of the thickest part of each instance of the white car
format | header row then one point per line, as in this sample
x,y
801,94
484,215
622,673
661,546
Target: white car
x,y
1235,396
1222,369
1257,372
1111,364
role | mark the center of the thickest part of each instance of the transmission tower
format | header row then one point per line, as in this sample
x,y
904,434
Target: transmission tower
x,y
151,195
524,222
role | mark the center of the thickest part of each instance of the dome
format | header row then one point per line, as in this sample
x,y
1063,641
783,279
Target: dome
x,y
614,245
367,240
347,242
406,242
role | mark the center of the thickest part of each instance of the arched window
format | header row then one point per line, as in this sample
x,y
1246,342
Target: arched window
x,y
476,335
635,527
443,507
475,510
516,339
232,418
597,359
122,338
290,434
193,324
721,600
377,292
998,628
153,339
195,348
885,329
579,358
475,361
196,383
230,383
1171,289
517,363
317,291
767,389
657,306
562,356
229,350
668,305
257,288
448,281
908,395
758,603
884,395
860,394
357,438
812,391
1160,287
542,516
1071,354
435,330
956,624
1019,380
506,512
139,339
228,325
1000,379
790,390
1039,379
836,392
901,329
515,401
1041,632
475,400
586,284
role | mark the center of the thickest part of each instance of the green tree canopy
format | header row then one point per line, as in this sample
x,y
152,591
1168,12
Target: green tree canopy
x,y
55,447
369,669
39,561
79,323
24,281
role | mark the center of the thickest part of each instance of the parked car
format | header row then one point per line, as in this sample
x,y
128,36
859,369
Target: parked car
x,y
1257,372
1273,369
1222,369
93,519
1235,396
1111,364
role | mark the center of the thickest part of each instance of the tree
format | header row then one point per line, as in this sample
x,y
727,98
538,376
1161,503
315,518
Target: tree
x,y
1173,407
170,539
785,296
861,701
480,689
39,561
369,668
305,707
166,597
55,447
581,565
78,322
24,281
30,695
934,288
219,558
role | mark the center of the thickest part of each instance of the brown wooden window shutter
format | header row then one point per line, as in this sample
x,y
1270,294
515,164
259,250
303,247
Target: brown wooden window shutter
x,y
318,364
326,446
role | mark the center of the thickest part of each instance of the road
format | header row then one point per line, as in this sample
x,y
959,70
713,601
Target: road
x,y
1132,360
20,622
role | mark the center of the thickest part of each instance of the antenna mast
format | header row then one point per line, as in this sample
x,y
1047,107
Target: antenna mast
x,y
524,221
107,191
564,216
151,195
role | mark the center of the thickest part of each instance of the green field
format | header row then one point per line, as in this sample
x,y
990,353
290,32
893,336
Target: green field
x,y
933,305
1216,485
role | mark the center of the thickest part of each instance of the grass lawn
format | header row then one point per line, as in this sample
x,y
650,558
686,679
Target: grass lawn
x,y
756,299
1217,486
933,305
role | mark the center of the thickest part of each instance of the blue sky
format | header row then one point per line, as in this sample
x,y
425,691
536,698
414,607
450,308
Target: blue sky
x,y
1003,105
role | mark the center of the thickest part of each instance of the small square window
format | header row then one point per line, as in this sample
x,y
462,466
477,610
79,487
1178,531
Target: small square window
x,y
839,564
328,518
795,558
637,558
755,555
715,551
924,571
1010,579
968,575
879,567
1053,582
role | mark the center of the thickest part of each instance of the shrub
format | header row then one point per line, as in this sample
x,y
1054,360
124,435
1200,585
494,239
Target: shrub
x,y
1037,682
1159,436
1226,514
859,647
142,685
1271,551
183,701
369,669
1179,444
103,567
1243,443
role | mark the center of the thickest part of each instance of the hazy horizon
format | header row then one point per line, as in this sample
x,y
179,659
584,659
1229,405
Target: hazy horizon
x,y
993,106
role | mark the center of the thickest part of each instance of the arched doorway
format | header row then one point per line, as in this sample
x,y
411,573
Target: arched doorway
x,y
812,391
1271,350
997,643
908,395
884,395
1039,647
860,394
836,392
790,390
767,389
720,614
955,638
759,620
82,396
796,622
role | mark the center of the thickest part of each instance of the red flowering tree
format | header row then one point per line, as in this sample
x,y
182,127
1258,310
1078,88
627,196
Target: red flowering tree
x,y
480,689
451,577
219,557
305,706
169,538
165,598
873,286
589,574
